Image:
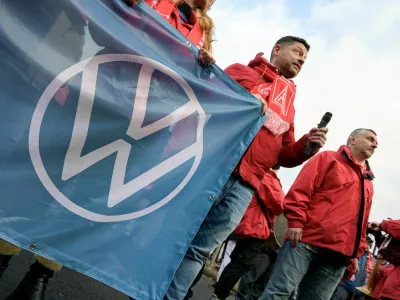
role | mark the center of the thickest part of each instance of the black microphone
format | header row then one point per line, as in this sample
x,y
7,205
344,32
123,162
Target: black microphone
x,y
324,122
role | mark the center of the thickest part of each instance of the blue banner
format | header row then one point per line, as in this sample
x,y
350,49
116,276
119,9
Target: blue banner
x,y
114,140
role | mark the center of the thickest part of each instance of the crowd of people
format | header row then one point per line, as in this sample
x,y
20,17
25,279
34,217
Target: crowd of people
x,y
326,253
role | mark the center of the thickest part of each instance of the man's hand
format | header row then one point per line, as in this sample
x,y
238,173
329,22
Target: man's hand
x,y
354,266
264,105
206,58
294,235
374,226
318,136
131,2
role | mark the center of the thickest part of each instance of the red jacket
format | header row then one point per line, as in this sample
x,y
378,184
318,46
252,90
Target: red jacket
x,y
391,252
266,150
169,11
331,200
254,222
388,279
388,283
391,227
165,8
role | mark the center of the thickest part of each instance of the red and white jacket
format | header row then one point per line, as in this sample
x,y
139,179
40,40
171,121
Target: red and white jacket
x,y
269,149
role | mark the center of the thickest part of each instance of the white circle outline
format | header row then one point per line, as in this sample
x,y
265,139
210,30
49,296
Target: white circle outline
x,y
40,110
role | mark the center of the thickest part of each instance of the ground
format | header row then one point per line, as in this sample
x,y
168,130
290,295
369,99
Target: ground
x,y
70,285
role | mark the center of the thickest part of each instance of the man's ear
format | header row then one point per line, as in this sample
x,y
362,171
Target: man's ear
x,y
276,50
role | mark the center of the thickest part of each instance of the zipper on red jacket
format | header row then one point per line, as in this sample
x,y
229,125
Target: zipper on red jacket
x,y
360,213
360,218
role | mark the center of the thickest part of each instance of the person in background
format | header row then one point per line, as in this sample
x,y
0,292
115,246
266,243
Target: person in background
x,y
251,259
190,18
387,283
346,289
274,144
230,245
327,209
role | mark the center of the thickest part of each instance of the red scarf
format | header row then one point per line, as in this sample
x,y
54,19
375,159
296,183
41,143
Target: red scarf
x,y
279,93
361,164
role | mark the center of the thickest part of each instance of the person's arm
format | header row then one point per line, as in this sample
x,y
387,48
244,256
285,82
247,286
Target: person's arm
x,y
392,227
292,153
131,2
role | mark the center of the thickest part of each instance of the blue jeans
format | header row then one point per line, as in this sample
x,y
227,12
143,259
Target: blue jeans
x,y
314,275
220,222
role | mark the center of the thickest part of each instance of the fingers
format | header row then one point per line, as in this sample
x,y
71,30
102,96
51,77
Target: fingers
x,y
131,2
355,267
374,226
323,130
264,106
206,58
297,238
294,236
319,141
292,241
318,136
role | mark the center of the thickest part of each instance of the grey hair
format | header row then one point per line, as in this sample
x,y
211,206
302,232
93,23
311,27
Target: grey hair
x,y
358,132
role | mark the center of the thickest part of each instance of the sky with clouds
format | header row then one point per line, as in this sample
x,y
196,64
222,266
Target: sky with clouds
x,y
352,70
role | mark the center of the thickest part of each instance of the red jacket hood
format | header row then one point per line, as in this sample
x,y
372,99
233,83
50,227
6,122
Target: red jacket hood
x,y
258,68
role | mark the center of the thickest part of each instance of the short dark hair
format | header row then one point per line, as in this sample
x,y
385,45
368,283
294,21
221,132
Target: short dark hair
x,y
289,40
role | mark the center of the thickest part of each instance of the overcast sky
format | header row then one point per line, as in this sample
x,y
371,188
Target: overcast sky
x,y
352,70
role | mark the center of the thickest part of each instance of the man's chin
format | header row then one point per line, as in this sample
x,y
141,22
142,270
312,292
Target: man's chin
x,y
290,74
368,154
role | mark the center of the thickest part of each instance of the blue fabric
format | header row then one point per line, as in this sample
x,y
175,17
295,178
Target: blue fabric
x,y
115,142
299,268
222,219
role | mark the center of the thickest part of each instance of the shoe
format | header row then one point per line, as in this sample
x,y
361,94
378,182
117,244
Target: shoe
x,y
33,285
4,259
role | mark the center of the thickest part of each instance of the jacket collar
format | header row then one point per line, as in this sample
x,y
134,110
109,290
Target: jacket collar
x,y
345,150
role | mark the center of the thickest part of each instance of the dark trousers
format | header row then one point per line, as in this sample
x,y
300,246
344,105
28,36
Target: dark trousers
x,y
245,257
198,277
252,284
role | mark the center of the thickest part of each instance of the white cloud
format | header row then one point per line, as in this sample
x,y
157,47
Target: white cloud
x,y
352,70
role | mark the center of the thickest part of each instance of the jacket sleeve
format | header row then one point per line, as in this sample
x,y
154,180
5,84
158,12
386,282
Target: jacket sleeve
x,y
297,200
271,194
292,153
392,227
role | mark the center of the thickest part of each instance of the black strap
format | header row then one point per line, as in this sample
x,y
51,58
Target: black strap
x,y
264,210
